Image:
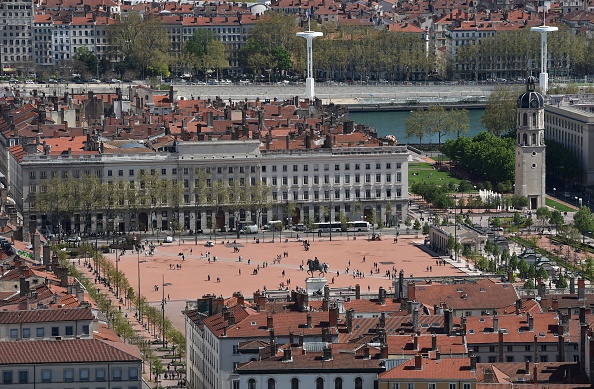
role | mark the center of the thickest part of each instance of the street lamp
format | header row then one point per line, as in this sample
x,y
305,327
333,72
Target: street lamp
x,y
164,284
555,192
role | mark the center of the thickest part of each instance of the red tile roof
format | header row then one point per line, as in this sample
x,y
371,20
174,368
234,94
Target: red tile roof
x,y
63,351
444,369
46,315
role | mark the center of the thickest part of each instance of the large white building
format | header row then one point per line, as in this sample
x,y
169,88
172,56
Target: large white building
x,y
16,20
304,185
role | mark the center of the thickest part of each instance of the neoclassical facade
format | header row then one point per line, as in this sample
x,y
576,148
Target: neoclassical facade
x,y
303,185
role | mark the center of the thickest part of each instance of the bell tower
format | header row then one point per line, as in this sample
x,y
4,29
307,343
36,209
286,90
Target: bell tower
x,y
530,172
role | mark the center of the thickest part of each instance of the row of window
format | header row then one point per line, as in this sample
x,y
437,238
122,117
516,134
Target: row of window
x,y
346,179
347,195
318,383
68,375
40,332
337,166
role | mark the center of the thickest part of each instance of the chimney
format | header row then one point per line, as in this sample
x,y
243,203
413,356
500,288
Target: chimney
x,y
366,354
411,290
500,359
535,346
415,319
582,315
327,353
561,348
448,321
287,355
535,373
416,342
24,286
530,320
581,289
495,324
555,304
418,362
382,295
473,362
325,304
308,317
434,342
384,351
291,338
300,338
333,316
37,247
349,319
572,285
527,367
269,322
518,306
46,254
584,329
357,292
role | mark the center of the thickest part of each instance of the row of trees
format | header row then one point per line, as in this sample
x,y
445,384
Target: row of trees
x,y
141,43
116,317
64,197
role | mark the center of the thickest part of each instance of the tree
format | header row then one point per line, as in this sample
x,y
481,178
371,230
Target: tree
x,y
139,41
500,112
583,221
217,56
561,282
542,273
543,214
556,219
87,60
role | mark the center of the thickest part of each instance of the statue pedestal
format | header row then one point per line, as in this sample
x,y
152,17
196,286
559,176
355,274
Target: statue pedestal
x,y
315,284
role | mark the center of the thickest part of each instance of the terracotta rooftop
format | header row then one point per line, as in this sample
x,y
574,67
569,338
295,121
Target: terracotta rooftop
x,y
443,369
46,315
63,351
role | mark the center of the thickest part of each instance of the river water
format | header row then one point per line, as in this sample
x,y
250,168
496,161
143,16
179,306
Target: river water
x,y
393,123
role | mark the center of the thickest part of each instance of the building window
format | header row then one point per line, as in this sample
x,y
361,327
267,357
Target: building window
x,y
319,383
116,374
69,330
410,385
68,375
23,377
395,385
359,383
84,374
251,384
338,383
40,332
431,385
133,373
452,385
26,333
46,375
55,331
271,383
14,333
235,384
85,329
294,383
7,377
100,374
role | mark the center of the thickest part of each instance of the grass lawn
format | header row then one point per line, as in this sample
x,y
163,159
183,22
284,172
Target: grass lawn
x,y
422,171
559,206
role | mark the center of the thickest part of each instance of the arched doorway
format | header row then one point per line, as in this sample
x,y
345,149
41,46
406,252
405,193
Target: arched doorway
x,y
220,219
368,215
142,221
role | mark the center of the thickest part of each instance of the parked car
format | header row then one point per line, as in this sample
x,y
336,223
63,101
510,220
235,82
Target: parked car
x,y
209,243
73,239
168,239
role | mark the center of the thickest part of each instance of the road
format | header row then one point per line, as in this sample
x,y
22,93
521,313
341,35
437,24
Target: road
x,y
328,93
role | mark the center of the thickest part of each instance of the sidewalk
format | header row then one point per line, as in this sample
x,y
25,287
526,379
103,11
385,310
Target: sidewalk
x,y
143,332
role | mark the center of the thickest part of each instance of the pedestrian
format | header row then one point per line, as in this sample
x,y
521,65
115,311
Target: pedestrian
x,y
239,271
208,278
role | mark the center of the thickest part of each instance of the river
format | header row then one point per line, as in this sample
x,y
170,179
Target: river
x,y
393,123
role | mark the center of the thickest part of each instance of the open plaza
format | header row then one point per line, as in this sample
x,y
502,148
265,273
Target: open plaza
x,y
193,275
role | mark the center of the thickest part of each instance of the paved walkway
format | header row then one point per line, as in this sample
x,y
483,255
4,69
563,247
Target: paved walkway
x,y
140,330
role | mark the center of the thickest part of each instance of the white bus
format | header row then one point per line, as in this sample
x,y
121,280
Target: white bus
x,y
325,227
359,226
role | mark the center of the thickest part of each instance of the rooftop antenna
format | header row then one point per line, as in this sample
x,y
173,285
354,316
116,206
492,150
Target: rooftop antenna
x,y
543,30
309,35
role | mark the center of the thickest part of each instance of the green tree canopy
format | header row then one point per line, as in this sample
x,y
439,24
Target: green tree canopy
x,y
500,113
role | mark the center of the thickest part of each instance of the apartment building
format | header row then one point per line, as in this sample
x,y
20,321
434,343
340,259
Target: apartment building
x,y
16,19
358,182
571,123
77,364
